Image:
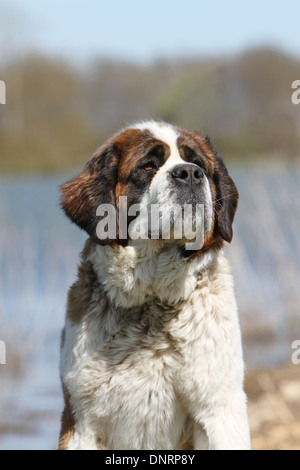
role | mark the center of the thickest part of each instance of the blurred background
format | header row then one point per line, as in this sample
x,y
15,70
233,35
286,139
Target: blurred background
x,y
78,71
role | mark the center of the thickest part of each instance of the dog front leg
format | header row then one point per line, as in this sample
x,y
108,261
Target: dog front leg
x,y
79,441
226,428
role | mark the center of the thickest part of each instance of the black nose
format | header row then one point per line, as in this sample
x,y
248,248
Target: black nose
x,y
187,173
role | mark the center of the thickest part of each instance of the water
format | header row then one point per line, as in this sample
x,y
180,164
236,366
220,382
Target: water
x,y
39,251
38,258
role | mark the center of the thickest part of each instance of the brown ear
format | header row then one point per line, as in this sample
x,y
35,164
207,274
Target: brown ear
x,y
94,186
226,200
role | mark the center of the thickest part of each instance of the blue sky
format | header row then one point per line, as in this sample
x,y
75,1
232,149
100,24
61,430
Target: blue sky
x,y
141,31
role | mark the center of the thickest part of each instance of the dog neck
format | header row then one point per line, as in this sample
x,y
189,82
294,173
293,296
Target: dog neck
x,y
141,272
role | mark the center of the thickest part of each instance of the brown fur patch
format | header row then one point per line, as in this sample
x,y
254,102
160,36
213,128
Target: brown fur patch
x,y
96,185
67,423
196,142
81,292
135,144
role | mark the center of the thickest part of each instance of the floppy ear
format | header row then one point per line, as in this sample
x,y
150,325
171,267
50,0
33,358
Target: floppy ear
x,y
226,200
94,186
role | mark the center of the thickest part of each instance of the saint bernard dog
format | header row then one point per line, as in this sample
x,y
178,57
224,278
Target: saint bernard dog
x,y
151,354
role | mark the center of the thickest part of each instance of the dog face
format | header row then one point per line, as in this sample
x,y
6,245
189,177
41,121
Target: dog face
x,y
155,165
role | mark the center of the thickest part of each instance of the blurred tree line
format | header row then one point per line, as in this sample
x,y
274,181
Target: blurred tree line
x,y
56,115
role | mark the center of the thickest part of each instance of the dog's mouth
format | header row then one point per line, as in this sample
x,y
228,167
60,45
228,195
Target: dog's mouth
x,y
188,222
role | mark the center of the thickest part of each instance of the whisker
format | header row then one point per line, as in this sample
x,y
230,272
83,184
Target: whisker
x,y
227,195
215,208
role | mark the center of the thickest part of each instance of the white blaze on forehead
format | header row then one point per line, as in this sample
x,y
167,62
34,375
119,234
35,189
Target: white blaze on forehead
x,y
167,134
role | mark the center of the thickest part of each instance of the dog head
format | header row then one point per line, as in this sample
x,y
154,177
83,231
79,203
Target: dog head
x,y
153,165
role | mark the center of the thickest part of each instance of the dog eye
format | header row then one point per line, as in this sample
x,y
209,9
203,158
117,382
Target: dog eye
x,y
149,166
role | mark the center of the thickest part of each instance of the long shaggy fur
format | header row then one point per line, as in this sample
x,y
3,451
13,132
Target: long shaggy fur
x,y
151,354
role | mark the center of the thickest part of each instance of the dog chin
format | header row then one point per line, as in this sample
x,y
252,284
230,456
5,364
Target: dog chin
x,y
172,222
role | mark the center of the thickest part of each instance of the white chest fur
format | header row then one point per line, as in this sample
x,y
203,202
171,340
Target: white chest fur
x,y
142,373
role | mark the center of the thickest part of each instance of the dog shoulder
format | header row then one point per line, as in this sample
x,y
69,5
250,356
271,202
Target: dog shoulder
x,y
83,289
